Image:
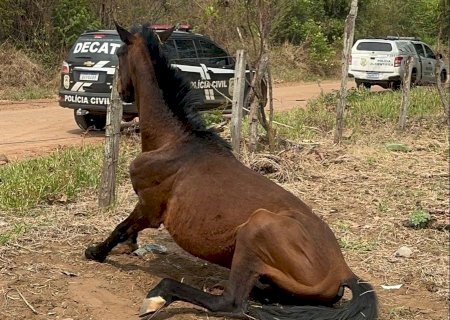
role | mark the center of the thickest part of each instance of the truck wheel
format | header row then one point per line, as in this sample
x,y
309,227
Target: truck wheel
x,y
413,77
396,85
443,76
90,121
361,84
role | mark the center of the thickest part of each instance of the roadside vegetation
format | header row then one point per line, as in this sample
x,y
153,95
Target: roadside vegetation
x,y
365,110
305,37
58,178
61,176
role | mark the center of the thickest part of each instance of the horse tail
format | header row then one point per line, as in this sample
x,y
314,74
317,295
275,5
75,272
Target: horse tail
x,y
363,306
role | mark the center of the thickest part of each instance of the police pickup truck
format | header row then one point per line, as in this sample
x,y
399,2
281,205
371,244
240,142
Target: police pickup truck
x,y
87,73
382,62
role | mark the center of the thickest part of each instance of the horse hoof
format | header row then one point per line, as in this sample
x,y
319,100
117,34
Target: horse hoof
x,y
151,305
92,253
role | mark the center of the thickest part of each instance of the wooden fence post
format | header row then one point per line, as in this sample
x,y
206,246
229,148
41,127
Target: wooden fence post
x,y
406,84
107,192
349,32
238,101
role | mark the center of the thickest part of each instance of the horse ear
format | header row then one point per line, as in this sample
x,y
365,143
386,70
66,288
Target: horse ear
x,y
124,34
163,36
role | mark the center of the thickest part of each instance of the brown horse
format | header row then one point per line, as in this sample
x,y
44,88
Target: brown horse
x,y
221,211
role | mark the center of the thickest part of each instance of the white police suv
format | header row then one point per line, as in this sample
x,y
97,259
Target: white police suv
x,y
382,62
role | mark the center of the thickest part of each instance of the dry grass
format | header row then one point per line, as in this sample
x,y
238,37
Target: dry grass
x,y
362,190
21,77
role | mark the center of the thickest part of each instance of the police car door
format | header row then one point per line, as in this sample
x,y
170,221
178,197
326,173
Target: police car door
x,y
205,75
429,64
218,69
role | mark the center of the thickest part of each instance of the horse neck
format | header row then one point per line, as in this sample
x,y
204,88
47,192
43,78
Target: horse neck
x,y
157,124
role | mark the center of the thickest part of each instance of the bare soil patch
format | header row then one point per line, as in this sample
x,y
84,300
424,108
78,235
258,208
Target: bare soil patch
x,y
362,190
33,128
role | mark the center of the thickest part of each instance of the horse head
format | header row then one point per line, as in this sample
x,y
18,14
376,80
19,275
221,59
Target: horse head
x,y
125,85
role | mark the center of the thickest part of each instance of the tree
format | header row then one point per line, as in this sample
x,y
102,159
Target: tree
x,y
348,42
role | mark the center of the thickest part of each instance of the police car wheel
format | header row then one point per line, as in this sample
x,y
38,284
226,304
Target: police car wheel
x,y
90,121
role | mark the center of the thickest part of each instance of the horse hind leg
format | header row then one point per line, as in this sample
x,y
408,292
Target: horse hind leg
x,y
126,232
233,300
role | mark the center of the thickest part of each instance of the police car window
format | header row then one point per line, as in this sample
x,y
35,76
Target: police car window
x,y
429,53
419,49
186,49
95,46
374,46
169,49
212,55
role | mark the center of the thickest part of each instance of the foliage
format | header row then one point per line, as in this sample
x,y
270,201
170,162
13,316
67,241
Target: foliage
x,y
70,18
420,18
419,219
49,27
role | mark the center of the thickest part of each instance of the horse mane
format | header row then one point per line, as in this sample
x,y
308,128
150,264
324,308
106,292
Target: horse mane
x,y
180,99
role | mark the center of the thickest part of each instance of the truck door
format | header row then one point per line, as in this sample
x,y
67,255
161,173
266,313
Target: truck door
x,y
430,64
421,52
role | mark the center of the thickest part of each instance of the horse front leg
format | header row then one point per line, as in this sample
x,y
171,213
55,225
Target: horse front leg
x,y
126,232
232,302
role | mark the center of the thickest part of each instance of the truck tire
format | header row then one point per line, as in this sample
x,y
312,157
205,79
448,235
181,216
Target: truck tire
x,y
396,85
413,77
361,84
443,76
90,121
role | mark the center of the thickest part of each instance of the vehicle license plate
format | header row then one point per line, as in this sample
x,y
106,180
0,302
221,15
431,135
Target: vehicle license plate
x,y
373,75
89,76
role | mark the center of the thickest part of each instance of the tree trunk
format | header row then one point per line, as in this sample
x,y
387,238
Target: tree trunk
x,y
349,31
406,85
271,133
107,193
238,101
255,103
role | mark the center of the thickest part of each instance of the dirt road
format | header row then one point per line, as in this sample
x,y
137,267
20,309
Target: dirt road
x,y
35,127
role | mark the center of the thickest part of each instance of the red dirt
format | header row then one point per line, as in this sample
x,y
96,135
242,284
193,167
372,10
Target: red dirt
x,y
35,127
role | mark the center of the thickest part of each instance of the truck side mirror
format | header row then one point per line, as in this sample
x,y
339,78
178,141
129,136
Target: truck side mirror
x,y
439,56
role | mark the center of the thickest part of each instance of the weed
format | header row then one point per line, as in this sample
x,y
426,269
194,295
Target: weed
x,y
213,117
419,219
356,245
371,160
400,313
16,231
383,206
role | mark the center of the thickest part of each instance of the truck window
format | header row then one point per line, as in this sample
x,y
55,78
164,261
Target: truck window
x,y
419,49
211,55
169,49
429,52
374,46
186,51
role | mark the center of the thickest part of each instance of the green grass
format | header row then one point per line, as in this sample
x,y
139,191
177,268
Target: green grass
x,y
356,245
58,177
28,93
13,232
364,109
